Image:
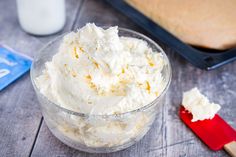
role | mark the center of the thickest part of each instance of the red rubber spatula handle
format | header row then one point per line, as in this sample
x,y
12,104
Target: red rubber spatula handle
x,y
231,148
215,133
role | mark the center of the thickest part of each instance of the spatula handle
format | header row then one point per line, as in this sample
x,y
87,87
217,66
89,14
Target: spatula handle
x,y
231,148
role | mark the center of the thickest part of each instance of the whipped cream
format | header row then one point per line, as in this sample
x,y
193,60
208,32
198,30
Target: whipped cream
x,y
97,72
199,105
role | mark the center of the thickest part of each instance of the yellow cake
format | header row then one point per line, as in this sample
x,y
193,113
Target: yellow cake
x,y
203,23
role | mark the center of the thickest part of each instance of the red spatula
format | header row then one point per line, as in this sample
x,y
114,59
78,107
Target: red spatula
x,y
215,133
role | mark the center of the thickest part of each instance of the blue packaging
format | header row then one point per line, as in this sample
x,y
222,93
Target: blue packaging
x,y
12,66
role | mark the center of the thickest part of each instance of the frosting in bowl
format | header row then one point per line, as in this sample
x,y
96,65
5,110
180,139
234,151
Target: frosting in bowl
x,y
101,74
96,71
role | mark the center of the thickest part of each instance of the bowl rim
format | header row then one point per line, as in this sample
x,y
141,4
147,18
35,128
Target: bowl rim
x,y
104,115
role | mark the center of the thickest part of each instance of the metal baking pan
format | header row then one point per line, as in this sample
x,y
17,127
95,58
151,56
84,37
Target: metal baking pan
x,y
202,58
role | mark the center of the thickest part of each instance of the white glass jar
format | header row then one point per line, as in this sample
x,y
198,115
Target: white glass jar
x,y
41,17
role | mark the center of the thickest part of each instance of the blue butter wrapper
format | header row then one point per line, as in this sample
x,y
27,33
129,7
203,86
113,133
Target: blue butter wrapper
x,y
12,66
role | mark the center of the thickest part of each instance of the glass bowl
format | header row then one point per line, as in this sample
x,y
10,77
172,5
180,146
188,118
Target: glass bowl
x,y
98,133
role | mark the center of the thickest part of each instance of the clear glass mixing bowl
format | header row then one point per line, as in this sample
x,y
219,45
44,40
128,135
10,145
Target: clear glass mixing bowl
x,y
98,133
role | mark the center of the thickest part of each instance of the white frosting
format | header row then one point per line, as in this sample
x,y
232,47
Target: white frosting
x,y
199,105
97,72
